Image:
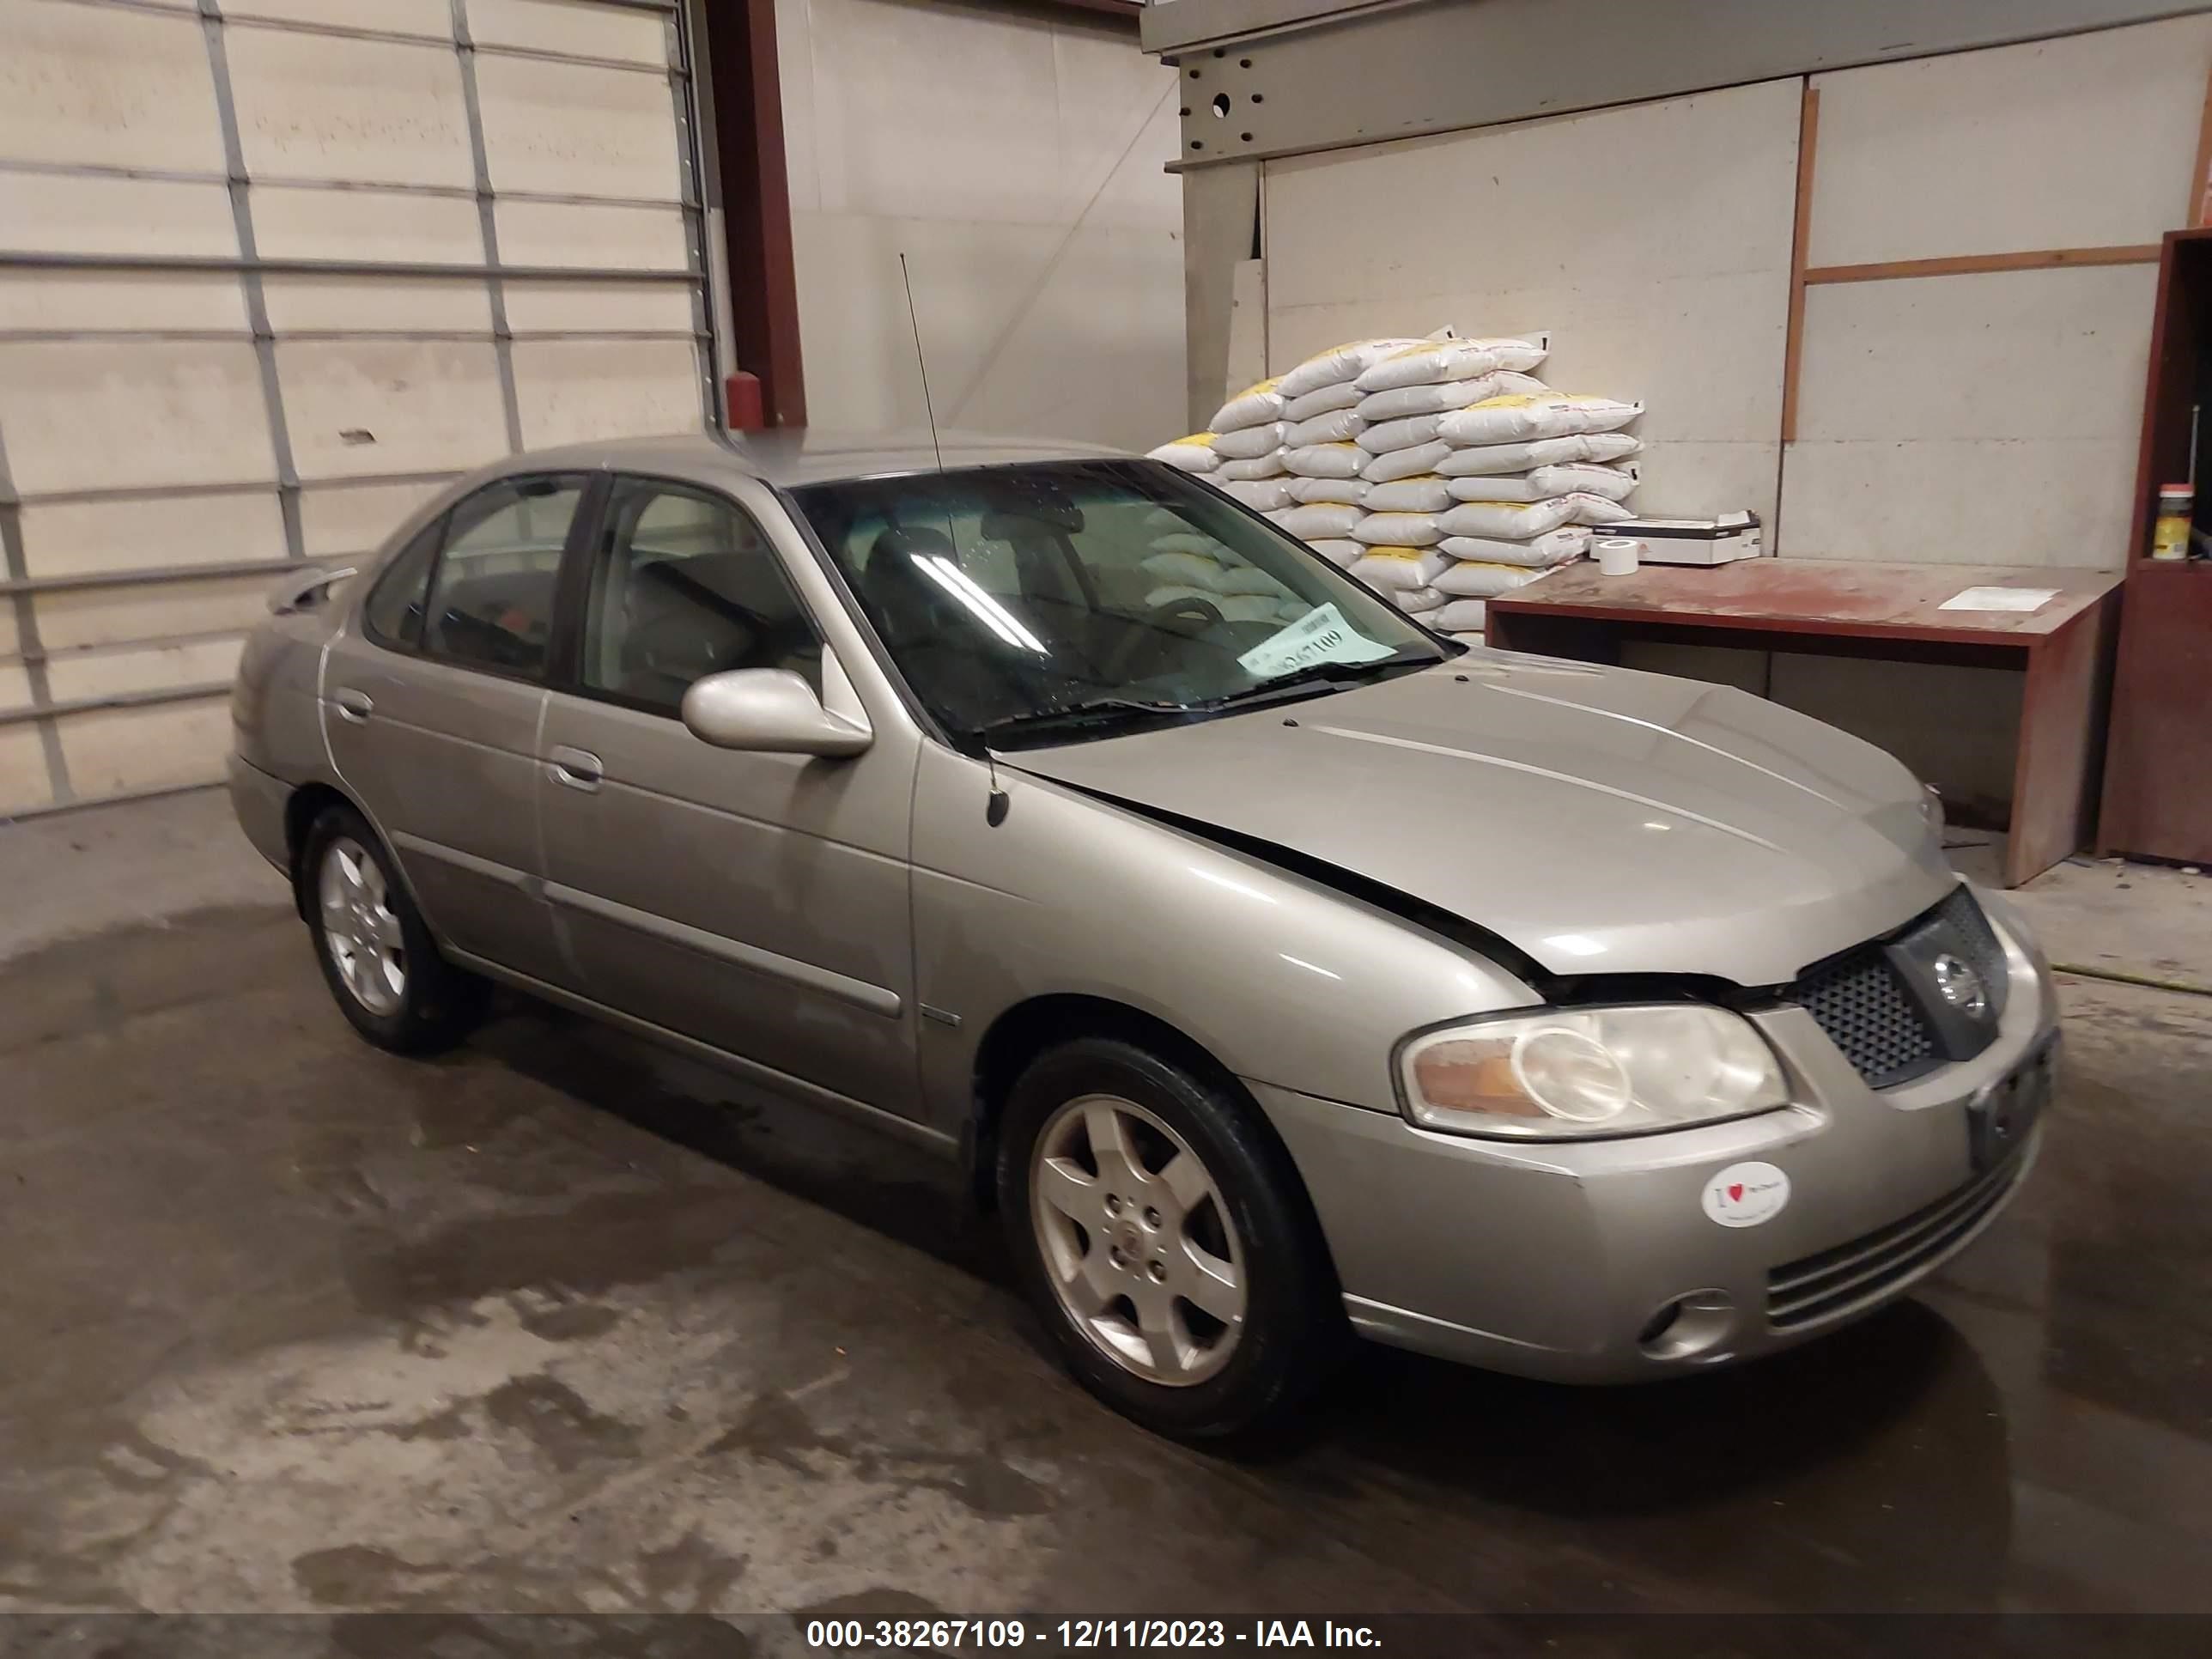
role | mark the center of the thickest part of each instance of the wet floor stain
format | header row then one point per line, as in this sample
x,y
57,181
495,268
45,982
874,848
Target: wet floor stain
x,y
775,1427
554,1419
359,1575
585,1247
568,1322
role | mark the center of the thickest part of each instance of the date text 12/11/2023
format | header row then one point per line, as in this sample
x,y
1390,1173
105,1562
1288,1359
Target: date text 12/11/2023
x,y
850,1635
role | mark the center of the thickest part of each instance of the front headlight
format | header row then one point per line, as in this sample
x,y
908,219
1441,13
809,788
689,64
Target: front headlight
x,y
1931,809
1562,1073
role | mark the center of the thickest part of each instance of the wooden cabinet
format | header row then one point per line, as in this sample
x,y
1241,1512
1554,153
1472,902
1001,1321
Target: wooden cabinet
x,y
2158,773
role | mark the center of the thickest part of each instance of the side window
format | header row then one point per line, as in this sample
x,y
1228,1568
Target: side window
x,y
491,601
687,586
395,609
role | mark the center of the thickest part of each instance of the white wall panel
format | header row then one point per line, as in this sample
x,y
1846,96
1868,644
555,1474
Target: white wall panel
x,y
113,616
75,538
608,236
1115,120
108,301
82,415
353,518
936,112
433,19
579,27
113,751
595,307
15,687
579,130
798,71
1986,419
574,390
319,107
106,86
23,784
1097,308
72,675
1017,159
2085,141
1654,240
57,213
292,223
969,278
424,404
397,304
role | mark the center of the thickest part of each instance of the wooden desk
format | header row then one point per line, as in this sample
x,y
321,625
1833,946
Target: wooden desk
x,y
1889,611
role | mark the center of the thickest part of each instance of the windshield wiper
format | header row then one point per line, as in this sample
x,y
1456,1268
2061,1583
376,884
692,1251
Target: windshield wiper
x,y
1316,676
1079,716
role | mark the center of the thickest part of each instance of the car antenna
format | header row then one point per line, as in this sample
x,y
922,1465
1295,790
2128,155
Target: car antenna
x,y
921,362
994,809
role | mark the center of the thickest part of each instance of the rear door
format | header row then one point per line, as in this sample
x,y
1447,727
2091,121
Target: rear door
x,y
432,703
757,902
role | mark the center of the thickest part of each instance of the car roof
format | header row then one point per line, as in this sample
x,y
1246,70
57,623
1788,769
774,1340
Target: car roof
x,y
796,456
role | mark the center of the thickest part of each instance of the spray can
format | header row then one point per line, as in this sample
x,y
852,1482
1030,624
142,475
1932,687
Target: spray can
x,y
2176,508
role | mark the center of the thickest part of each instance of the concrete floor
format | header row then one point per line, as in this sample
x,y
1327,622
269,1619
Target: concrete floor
x,y
556,1323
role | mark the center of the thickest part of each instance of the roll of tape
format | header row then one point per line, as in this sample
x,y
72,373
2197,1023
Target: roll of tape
x,y
1617,555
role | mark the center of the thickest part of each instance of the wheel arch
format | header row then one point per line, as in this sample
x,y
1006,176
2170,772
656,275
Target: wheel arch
x,y
1032,1026
309,802
304,806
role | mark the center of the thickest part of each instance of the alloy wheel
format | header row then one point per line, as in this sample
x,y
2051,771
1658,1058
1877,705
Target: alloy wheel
x,y
360,930
1137,1242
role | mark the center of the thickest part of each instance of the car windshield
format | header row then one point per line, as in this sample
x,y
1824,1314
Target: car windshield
x,y
1045,603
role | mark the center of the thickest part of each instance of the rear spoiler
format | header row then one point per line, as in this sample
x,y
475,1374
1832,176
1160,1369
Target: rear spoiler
x,y
305,589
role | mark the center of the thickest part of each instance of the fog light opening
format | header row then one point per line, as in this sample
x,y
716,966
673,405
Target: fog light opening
x,y
1689,1326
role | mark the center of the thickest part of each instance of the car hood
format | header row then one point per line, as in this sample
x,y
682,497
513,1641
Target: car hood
x,y
1601,820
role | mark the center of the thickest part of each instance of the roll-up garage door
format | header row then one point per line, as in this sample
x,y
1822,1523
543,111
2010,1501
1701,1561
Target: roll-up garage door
x,y
271,272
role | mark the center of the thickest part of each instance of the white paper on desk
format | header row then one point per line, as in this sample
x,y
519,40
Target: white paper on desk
x,y
1999,598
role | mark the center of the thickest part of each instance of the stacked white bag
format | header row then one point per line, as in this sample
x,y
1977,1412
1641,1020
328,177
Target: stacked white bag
x,y
1481,478
1185,566
1437,470
1240,451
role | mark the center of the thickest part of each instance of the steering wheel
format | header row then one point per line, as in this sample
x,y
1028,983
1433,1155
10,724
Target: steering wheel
x,y
1186,616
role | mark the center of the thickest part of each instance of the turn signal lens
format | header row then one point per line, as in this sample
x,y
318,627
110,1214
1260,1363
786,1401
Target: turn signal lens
x,y
1559,1073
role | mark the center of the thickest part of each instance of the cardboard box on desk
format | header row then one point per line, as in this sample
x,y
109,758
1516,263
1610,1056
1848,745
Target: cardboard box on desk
x,y
1723,540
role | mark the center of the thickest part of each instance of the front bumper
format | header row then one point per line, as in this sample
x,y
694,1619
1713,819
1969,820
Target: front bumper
x,y
1561,1260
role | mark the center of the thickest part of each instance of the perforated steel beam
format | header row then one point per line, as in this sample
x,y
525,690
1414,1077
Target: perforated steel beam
x,y
1283,77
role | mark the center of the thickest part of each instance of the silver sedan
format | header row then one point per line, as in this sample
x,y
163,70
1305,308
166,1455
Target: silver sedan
x,y
1277,968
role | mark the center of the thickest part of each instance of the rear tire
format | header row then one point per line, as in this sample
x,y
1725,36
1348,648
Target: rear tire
x,y
1163,1237
376,954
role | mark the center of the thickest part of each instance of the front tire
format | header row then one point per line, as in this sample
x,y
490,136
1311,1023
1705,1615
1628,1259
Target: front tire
x,y
1160,1231
376,954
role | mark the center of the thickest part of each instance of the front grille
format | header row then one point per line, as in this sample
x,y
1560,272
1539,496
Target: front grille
x,y
1978,943
1872,1012
1837,1281
1864,1007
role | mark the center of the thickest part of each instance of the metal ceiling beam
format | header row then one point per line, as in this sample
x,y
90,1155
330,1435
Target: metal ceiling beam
x,y
1302,78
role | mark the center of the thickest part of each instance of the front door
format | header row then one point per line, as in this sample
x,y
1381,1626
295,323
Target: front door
x,y
432,701
757,902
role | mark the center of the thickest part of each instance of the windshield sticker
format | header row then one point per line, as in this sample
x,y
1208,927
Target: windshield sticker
x,y
1320,635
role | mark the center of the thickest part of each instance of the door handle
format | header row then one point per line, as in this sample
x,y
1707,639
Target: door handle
x,y
577,768
352,705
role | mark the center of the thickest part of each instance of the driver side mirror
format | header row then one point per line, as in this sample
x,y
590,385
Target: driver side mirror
x,y
770,711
